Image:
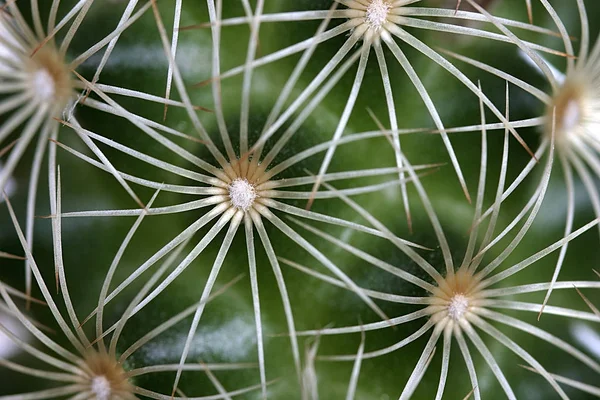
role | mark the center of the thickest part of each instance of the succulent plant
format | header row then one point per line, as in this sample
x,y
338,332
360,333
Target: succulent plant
x,y
244,203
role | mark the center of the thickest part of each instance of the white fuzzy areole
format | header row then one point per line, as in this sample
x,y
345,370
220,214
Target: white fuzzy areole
x,y
377,13
43,86
571,116
242,194
458,306
101,388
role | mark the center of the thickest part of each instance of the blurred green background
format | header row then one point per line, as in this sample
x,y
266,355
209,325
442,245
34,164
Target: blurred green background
x,y
226,331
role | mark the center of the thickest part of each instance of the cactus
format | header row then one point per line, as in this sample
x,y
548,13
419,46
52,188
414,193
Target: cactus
x,y
244,203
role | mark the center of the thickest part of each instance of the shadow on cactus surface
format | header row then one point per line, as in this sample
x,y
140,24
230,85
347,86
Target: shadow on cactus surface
x,y
242,203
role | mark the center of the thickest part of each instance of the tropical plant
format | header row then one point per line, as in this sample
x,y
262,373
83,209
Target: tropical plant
x,y
195,118
39,90
94,370
463,298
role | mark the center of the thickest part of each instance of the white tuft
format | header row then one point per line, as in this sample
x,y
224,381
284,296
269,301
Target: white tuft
x,y
42,85
571,116
101,388
458,306
377,13
242,194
